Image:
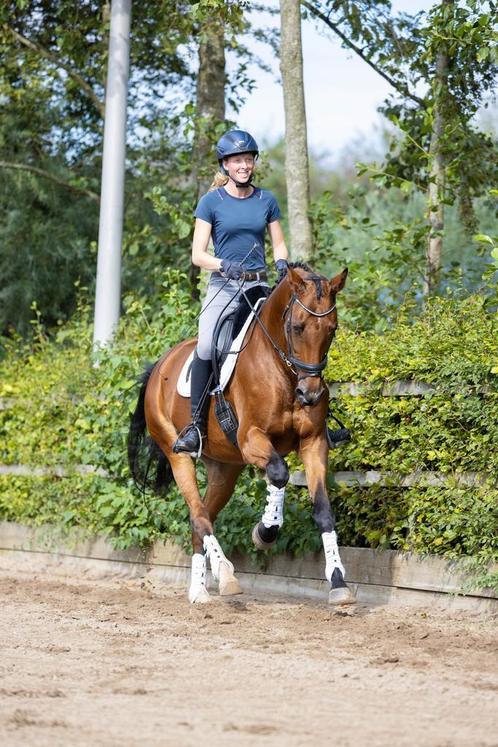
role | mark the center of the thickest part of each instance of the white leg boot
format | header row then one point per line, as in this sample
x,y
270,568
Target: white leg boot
x,y
198,594
332,557
335,573
274,511
221,567
273,517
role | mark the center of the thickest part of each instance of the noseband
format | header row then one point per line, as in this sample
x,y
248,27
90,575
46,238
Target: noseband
x,y
309,369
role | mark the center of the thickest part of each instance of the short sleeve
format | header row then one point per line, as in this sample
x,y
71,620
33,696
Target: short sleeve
x,y
273,209
204,210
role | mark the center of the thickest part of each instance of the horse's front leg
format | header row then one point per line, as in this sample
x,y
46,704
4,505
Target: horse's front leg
x,y
313,452
257,449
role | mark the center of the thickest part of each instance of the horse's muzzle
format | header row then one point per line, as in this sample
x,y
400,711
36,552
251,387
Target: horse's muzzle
x,y
307,396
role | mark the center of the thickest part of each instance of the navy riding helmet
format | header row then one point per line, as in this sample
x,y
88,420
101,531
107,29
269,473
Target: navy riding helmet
x,y
234,142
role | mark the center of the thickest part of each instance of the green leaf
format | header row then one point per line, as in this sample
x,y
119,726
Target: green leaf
x,y
483,238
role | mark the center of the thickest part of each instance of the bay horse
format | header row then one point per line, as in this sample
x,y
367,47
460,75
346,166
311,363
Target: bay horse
x,y
281,403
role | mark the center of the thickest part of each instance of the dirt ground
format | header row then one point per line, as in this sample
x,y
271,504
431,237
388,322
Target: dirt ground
x,y
91,661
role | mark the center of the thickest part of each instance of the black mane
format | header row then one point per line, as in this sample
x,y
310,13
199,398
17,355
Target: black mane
x,y
301,266
314,276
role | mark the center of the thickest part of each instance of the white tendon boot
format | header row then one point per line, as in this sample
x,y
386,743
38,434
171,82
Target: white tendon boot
x,y
332,557
221,567
338,595
274,511
272,517
198,594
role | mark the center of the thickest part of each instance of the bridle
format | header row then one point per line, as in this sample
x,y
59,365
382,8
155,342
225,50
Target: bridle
x,y
293,363
309,369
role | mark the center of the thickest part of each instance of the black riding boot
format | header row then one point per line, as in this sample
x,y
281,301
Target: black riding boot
x,y
200,376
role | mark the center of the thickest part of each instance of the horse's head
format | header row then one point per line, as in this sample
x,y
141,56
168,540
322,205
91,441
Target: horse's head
x,y
310,320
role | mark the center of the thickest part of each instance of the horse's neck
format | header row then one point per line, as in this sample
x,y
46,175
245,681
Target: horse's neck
x,y
273,312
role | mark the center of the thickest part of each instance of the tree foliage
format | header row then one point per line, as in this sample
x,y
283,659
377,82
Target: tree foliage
x,y
52,79
404,49
52,76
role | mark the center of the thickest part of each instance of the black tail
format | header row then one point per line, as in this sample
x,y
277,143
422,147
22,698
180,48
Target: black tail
x,y
149,467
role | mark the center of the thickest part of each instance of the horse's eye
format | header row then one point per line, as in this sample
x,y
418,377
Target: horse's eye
x,y
298,329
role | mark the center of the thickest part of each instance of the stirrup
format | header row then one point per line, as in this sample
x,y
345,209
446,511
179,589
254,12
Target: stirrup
x,y
338,437
180,449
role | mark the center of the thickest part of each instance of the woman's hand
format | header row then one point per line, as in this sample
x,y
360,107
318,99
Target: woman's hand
x,y
231,270
282,267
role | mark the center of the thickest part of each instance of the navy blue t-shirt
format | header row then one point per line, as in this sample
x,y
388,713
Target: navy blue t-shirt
x,y
238,224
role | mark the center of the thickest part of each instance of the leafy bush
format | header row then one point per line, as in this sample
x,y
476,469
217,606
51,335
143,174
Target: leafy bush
x,y
61,410
381,235
450,430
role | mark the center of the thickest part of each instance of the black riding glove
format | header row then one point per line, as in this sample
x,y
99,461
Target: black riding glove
x,y
282,267
231,270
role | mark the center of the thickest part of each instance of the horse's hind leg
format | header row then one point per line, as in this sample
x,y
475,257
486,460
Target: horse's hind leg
x,y
184,474
205,544
159,397
221,482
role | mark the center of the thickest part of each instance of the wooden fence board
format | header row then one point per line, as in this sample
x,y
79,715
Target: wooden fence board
x,y
364,567
389,389
422,478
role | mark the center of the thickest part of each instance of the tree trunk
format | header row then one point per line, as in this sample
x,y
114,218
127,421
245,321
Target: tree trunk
x,y
437,172
296,153
210,111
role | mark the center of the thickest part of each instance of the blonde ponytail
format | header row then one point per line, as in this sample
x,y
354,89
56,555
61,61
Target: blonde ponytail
x,y
219,181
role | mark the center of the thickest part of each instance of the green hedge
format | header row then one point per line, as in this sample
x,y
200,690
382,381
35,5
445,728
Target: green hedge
x,y
64,411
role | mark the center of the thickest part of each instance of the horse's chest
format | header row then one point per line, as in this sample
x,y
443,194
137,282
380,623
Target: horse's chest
x,y
282,422
303,421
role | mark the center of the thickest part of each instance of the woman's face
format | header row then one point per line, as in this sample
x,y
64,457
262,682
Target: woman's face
x,y
240,167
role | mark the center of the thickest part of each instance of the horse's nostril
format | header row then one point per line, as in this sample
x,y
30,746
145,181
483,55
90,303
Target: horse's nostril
x,y
307,398
304,397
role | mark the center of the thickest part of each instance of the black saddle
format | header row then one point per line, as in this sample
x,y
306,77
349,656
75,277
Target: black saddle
x,y
229,325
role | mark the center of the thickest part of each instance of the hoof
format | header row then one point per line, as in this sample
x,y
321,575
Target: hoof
x,y
228,583
260,543
341,595
199,596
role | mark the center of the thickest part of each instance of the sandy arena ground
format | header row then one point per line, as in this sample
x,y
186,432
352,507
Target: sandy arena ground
x,y
91,661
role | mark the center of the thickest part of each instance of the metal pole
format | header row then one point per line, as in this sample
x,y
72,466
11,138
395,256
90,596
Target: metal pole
x,y
107,297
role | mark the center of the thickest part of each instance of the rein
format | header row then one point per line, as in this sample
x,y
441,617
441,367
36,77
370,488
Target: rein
x,y
277,349
290,360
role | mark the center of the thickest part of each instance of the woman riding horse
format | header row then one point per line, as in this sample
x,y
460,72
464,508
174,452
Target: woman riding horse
x,y
277,391
235,215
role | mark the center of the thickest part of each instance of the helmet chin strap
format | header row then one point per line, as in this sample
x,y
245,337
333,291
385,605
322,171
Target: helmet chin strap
x,y
241,185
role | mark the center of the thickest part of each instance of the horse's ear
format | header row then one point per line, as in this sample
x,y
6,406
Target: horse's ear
x,y
338,283
295,280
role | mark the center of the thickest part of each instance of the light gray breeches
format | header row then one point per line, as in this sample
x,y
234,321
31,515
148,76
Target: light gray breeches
x,y
217,302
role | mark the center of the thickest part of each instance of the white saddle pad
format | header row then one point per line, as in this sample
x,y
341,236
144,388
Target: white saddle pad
x,y
183,383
